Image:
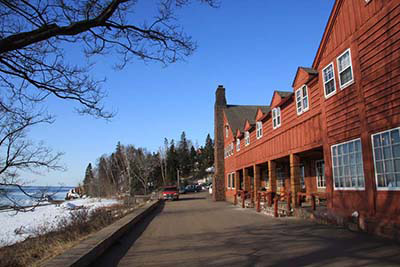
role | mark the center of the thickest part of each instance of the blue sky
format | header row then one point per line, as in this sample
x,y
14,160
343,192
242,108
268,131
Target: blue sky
x,y
251,47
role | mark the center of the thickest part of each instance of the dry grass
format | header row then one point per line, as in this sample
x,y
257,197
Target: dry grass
x,y
36,250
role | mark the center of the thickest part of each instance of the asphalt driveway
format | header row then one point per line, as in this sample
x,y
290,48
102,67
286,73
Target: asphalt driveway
x,y
196,231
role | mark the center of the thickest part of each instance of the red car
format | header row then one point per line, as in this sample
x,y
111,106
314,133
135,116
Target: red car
x,y
171,193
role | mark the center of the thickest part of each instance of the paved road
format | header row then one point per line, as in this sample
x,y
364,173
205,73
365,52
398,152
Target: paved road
x,y
198,232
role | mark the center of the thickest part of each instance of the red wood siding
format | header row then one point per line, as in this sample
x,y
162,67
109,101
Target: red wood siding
x,y
370,104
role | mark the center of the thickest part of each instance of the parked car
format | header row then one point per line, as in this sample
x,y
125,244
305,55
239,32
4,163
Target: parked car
x,y
182,190
189,188
170,193
210,189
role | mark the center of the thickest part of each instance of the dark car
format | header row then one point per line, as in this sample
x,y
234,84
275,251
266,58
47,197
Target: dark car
x,y
170,193
193,188
182,190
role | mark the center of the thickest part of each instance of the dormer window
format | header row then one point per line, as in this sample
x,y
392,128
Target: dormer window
x,y
259,131
246,138
302,99
276,117
238,144
345,69
328,74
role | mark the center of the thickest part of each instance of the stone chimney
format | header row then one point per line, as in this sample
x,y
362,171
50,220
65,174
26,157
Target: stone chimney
x,y
219,175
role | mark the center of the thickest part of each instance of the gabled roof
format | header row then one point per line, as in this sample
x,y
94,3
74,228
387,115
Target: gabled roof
x,y
283,94
310,71
238,114
327,32
280,96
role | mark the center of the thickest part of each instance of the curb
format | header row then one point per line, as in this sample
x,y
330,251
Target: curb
x,y
97,243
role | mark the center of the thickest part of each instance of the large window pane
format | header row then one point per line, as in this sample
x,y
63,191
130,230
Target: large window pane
x,y
395,136
346,76
348,170
345,69
386,147
377,141
396,151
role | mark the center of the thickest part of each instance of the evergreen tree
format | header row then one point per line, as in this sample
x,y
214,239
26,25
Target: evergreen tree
x,y
172,163
88,182
209,152
183,154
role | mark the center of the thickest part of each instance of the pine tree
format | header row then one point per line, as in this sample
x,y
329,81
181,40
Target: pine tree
x,y
193,160
209,152
184,155
88,182
172,163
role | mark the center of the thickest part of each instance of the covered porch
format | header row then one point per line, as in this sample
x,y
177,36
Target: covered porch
x,y
279,186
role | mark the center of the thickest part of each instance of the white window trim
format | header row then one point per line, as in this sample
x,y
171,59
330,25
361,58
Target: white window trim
x,y
324,82
301,100
237,145
278,109
246,138
226,131
316,177
333,178
229,181
259,130
376,175
351,66
233,180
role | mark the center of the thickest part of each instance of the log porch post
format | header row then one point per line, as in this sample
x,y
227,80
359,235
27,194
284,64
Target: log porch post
x,y
246,180
272,175
295,186
257,179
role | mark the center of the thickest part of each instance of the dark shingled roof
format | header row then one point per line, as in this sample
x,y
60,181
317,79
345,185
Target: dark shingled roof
x,y
309,70
237,115
284,94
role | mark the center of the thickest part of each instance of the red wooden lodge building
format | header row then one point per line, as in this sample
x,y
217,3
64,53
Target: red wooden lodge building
x,y
335,136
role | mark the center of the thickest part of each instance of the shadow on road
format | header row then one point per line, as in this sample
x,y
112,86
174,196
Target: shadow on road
x,y
115,253
191,198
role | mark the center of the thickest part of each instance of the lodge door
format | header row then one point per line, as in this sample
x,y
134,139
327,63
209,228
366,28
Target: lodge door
x,y
320,173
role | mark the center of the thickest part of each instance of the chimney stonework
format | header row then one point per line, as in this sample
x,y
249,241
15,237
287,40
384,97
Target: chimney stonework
x,y
218,192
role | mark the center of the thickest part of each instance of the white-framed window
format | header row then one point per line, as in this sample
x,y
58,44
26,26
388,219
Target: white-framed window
x,y
237,144
280,177
232,180
259,130
229,181
228,151
348,168
328,74
345,69
302,99
226,131
386,150
276,117
246,138
302,177
320,173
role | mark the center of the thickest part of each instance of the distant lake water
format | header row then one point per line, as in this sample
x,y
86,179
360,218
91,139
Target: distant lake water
x,y
56,192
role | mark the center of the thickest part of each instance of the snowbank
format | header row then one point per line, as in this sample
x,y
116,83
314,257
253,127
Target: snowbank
x,y
46,217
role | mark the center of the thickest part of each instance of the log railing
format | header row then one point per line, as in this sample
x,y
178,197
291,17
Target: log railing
x,y
301,197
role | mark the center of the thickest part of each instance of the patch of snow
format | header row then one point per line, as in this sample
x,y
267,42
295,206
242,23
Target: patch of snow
x,y
16,227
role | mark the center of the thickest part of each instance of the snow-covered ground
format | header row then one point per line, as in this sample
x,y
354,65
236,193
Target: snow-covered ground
x,y
45,217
